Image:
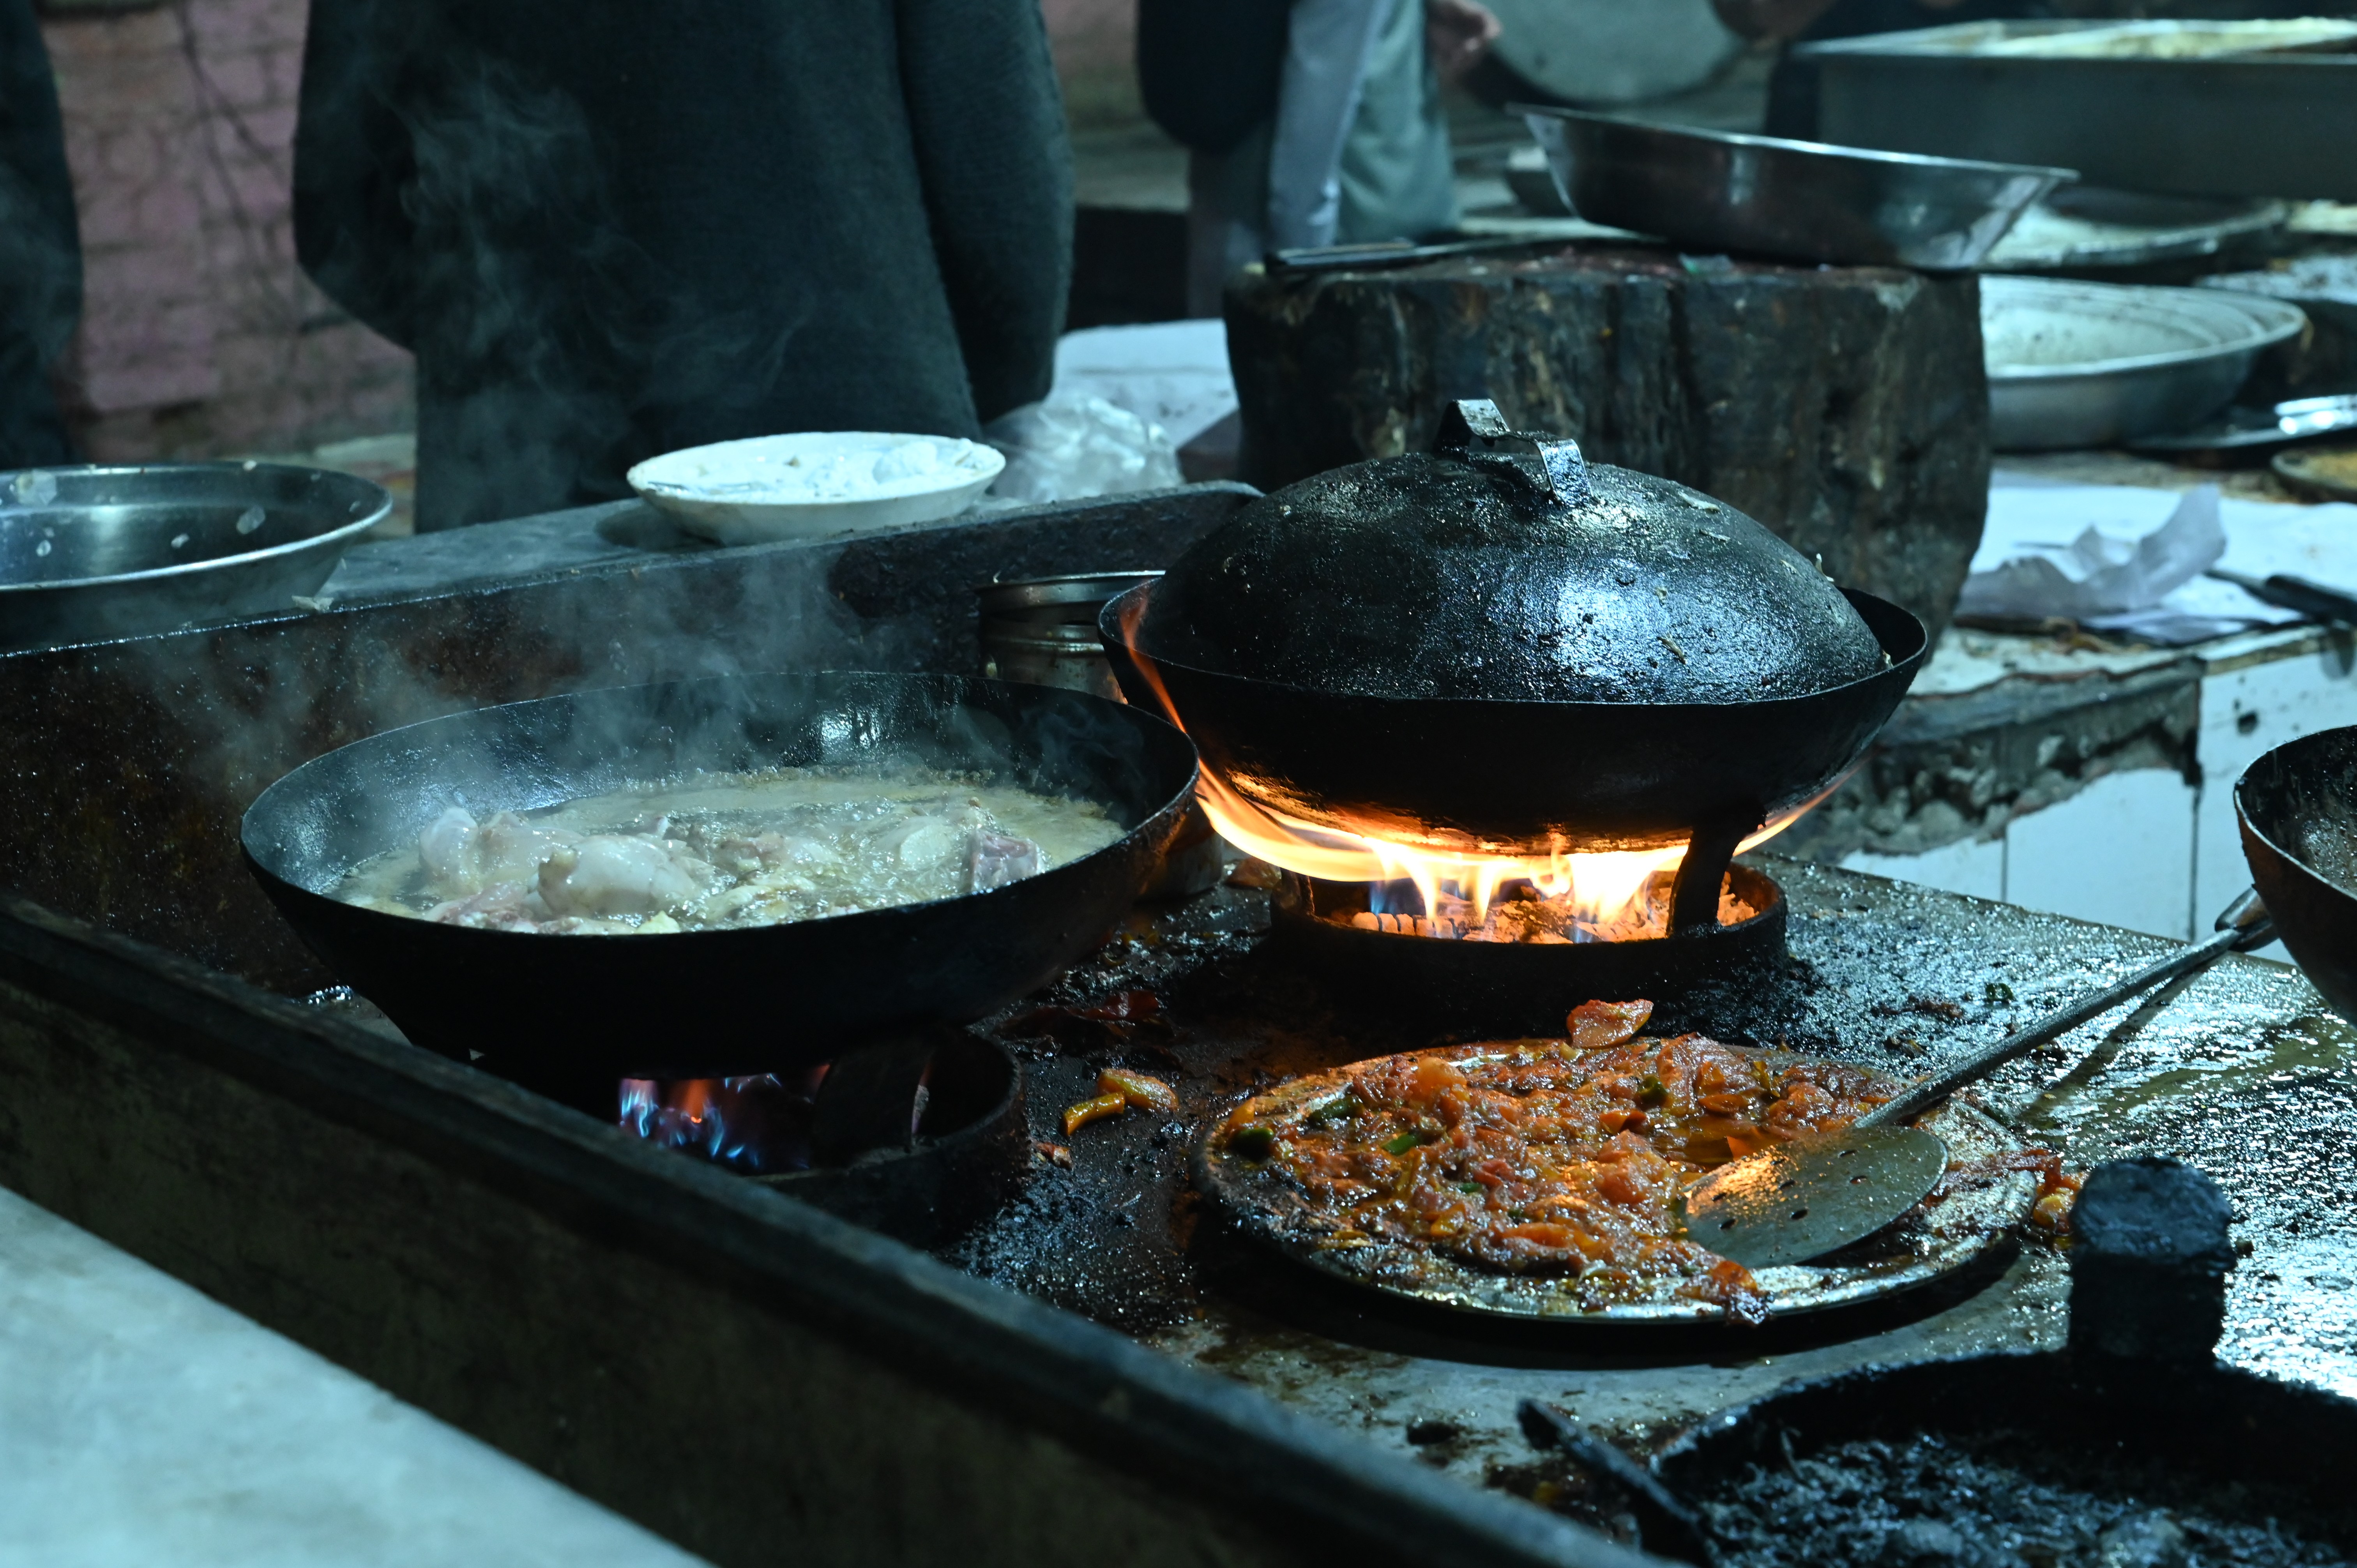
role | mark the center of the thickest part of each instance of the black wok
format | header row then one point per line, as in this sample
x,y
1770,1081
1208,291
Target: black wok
x,y
2298,808
569,1012
1472,774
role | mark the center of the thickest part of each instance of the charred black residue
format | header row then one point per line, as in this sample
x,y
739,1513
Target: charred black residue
x,y
2007,1498
2238,1073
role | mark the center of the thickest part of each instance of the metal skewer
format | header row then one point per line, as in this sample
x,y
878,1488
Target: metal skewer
x,y
1820,1193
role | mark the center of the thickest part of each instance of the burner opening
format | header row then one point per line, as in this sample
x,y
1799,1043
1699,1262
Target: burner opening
x,y
919,1138
1376,957
1520,910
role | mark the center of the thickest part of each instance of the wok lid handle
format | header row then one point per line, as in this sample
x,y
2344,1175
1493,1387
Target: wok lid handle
x,y
1552,465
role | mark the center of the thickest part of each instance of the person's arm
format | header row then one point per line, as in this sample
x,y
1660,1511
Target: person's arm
x,y
989,122
1773,20
352,159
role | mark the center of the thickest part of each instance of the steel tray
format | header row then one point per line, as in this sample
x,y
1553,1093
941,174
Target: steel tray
x,y
2250,109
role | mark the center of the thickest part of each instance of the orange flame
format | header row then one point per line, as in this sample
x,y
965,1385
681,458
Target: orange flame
x,y
1600,887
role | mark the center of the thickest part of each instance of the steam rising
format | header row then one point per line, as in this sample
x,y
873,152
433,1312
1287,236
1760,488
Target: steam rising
x,y
554,335
468,213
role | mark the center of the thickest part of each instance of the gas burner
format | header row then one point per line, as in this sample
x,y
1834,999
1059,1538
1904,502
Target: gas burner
x,y
1519,987
920,1138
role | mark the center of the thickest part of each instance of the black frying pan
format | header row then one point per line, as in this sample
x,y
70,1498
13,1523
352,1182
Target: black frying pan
x,y
2298,808
1472,774
566,1013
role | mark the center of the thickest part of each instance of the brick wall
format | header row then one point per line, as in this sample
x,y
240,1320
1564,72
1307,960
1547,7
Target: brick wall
x,y
1094,41
199,335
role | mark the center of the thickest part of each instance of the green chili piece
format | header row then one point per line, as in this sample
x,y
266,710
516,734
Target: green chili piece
x,y
1404,1142
1251,1143
1651,1091
1471,1187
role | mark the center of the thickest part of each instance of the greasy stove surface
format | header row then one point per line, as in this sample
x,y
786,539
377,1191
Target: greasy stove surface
x,y
2243,1072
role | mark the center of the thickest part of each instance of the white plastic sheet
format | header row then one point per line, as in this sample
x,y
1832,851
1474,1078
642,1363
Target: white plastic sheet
x,y
2098,576
1075,445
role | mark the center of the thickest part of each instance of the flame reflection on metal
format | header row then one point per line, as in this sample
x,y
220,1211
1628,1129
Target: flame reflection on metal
x,y
760,1122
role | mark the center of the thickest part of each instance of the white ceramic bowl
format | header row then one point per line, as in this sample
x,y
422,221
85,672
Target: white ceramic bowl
x,y
815,483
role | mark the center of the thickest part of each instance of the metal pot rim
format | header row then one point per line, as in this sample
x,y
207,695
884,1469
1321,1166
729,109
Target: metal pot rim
x,y
1109,626
2288,320
1826,150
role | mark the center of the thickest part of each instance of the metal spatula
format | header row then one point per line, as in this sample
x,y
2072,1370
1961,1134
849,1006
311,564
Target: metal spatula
x,y
1821,1192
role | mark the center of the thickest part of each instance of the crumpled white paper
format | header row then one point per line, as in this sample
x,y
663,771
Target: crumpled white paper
x,y
2098,577
2034,517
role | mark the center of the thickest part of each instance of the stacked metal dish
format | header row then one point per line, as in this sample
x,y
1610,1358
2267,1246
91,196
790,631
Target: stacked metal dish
x,y
1716,192
1043,631
2089,228
92,555
2320,473
2084,364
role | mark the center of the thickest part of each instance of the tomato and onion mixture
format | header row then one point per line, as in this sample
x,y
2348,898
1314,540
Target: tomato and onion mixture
x,y
1553,1157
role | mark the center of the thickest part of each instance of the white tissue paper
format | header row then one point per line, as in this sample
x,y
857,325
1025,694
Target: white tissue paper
x,y
2099,578
2129,561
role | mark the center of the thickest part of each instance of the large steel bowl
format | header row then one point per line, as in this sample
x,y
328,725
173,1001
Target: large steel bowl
x,y
1712,190
2090,364
94,555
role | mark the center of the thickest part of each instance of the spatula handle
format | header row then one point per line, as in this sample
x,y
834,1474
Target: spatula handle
x,y
2242,926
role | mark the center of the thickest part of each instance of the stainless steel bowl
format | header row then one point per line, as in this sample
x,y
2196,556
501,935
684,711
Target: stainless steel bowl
x,y
92,555
2090,364
1712,190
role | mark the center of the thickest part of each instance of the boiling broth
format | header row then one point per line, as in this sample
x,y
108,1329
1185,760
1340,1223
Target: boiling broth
x,y
718,850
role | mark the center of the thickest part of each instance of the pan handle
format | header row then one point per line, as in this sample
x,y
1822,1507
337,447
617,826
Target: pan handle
x,y
1669,1522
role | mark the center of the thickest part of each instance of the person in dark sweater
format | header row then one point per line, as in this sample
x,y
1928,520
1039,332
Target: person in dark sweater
x,y
610,230
40,247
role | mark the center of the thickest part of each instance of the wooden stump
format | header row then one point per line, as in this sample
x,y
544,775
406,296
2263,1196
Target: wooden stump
x,y
1844,407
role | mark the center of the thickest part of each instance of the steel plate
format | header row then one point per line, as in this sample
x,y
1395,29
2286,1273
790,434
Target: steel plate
x,y
2257,429
1717,191
1942,1236
92,553
2088,364
2324,473
2089,227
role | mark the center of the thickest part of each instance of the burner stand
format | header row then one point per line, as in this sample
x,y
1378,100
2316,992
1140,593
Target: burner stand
x,y
968,1159
1514,988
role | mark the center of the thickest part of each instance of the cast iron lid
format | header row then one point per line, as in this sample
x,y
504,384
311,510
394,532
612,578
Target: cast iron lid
x,y
1505,567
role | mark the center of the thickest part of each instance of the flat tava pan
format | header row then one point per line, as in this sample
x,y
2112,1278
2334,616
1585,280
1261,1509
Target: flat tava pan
x,y
1948,1232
